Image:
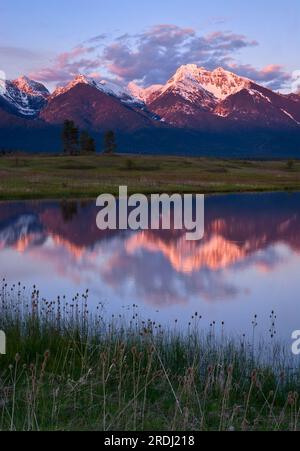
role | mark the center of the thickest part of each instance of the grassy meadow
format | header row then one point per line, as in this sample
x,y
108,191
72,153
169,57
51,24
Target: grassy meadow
x,y
68,369
56,177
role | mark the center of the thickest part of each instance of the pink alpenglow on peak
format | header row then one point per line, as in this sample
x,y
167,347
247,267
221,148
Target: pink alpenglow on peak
x,y
105,86
31,87
194,98
24,97
190,79
222,83
144,94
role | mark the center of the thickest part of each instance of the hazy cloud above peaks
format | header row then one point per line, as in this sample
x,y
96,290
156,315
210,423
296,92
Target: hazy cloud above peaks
x,y
154,55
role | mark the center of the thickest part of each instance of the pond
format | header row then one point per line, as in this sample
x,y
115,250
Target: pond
x,y
247,264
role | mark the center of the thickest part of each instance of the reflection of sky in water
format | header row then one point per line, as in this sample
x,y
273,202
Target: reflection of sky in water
x,y
247,264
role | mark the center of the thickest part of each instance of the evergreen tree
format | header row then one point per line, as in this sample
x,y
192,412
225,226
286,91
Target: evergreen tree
x,y
70,137
87,143
74,140
110,145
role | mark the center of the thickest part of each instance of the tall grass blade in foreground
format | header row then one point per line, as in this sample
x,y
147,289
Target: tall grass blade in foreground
x,y
70,369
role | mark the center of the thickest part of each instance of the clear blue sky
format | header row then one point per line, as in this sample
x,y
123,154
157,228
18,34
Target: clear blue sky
x,y
33,33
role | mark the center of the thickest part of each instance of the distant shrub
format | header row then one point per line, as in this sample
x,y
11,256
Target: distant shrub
x,y
129,164
290,165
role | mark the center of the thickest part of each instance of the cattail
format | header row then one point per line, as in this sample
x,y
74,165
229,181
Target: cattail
x,y
291,400
103,356
230,370
254,376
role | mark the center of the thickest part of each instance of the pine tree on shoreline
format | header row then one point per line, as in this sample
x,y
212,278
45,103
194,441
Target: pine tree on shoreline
x,y
87,143
70,138
110,145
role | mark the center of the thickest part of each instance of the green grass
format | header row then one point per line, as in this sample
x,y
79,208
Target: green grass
x,y
67,369
57,177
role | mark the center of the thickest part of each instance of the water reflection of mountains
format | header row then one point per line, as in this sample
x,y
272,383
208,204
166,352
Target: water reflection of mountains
x,y
236,227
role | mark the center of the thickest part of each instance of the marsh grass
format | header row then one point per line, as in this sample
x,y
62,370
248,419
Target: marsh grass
x,y
61,177
69,369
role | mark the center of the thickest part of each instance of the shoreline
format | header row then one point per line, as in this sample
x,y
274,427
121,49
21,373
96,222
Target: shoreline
x,y
92,199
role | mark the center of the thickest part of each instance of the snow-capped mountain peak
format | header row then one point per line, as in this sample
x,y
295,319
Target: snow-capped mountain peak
x,y
185,83
223,83
190,81
79,79
189,71
24,97
219,82
31,87
187,80
106,86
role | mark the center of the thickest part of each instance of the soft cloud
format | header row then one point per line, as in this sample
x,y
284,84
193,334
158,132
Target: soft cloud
x,y
273,76
67,65
97,39
154,55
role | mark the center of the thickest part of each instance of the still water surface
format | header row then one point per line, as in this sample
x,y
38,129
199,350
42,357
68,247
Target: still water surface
x,y
248,264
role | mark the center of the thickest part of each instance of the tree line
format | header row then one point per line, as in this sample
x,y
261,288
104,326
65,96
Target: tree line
x,y
76,142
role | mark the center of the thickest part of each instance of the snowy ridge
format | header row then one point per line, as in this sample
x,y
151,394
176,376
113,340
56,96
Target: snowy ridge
x,y
31,87
25,96
222,83
105,86
144,94
190,80
290,116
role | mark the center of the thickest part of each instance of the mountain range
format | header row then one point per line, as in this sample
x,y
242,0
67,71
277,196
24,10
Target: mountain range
x,y
196,112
